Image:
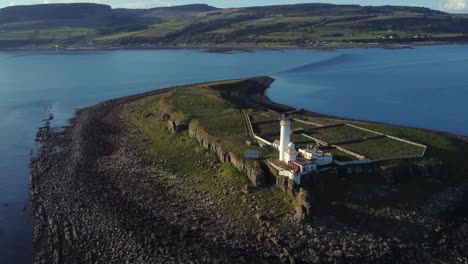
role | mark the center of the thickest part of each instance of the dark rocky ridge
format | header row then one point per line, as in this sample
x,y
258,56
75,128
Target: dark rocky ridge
x,y
94,201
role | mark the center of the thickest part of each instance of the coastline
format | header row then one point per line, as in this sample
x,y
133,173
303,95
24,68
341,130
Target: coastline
x,y
92,204
222,49
85,204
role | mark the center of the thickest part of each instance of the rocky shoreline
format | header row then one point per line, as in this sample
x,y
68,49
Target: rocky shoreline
x,y
95,201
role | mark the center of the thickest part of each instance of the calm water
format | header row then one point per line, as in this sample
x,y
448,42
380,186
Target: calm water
x,y
424,87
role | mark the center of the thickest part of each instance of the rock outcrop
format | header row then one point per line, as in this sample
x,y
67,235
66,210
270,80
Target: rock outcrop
x,y
251,168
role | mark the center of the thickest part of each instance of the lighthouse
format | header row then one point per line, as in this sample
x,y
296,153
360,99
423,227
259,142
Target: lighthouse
x,y
285,136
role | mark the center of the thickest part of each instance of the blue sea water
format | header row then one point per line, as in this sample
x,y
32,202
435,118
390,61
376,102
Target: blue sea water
x,y
424,87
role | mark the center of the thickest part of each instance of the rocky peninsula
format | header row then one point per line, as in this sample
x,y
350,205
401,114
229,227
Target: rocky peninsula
x,y
117,186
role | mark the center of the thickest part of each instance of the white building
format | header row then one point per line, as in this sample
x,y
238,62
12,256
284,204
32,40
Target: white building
x,y
311,158
307,154
316,155
296,177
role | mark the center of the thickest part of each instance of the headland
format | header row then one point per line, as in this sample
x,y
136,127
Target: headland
x,y
168,176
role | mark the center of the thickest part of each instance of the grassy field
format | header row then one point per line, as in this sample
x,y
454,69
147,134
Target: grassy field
x,y
384,148
44,34
208,110
273,126
263,115
162,29
339,134
118,36
318,120
373,148
440,148
196,166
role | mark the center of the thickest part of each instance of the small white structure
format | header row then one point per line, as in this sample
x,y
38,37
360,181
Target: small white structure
x,y
316,155
323,158
276,144
307,154
291,153
296,177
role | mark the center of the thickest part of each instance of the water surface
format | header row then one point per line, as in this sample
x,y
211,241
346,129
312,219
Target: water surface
x,y
423,87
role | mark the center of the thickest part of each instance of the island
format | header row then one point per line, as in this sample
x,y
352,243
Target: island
x,y
218,173
314,25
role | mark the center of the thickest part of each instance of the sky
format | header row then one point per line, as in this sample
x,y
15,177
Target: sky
x,y
455,6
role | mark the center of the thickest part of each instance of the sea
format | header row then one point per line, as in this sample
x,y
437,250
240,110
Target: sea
x,y
424,87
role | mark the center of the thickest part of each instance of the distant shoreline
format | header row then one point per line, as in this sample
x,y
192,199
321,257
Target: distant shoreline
x,y
222,49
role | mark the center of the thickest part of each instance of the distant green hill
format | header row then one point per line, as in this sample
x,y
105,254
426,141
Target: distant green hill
x,y
53,11
305,25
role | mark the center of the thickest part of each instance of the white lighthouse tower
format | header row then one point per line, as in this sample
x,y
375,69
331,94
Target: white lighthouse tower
x,y
285,137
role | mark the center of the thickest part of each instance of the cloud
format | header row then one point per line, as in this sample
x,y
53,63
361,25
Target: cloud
x,y
455,5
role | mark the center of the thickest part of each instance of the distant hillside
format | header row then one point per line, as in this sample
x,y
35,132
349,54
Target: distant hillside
x,y
183,10
53,12
186,8
300,25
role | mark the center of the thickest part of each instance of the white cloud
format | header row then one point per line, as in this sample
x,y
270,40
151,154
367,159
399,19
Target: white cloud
x,y
455,5
12,4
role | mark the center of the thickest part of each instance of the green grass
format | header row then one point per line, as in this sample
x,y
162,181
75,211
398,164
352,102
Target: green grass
x,y
199,168
263,115
340,134
280,36
16,35
440,148
221,119
447,35
383,148
118,36
266,127
273,126
317,120
44,34
162,29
